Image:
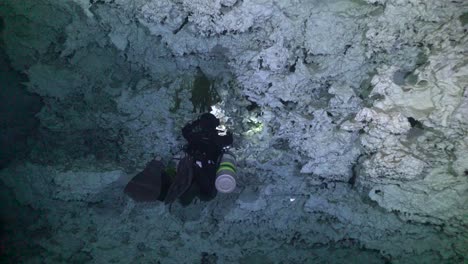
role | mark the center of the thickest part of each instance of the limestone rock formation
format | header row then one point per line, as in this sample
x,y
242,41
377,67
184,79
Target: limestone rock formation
x,y
349,118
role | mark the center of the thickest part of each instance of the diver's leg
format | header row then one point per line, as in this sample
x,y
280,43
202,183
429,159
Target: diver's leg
x,y
182,181
206,182
187,197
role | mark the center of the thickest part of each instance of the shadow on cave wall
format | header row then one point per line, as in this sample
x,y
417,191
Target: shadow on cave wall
x,y
204,94
17,110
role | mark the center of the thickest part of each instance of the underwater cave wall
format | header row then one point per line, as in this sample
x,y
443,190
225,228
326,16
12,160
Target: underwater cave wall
x,y
349,119
17,121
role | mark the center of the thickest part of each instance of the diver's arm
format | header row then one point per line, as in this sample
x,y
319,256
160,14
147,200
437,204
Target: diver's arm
x,y
226,140
187,131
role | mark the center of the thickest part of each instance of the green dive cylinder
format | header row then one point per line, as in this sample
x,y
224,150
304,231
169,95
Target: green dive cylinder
x,y
226,173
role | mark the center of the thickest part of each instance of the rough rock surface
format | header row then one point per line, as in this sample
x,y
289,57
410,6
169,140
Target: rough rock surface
x,y
349,119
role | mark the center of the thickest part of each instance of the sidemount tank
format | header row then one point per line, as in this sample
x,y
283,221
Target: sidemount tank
x,y
226,173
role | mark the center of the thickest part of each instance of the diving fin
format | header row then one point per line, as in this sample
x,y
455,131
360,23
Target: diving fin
x,y
182,181
146,185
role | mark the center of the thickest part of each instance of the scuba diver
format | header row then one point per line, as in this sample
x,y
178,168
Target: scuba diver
x,y
196,172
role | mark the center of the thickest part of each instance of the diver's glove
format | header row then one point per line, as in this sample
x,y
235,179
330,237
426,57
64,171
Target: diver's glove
x,y
228,138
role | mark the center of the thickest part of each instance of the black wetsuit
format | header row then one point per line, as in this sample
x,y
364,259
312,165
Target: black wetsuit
x,y
199,166
205,146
